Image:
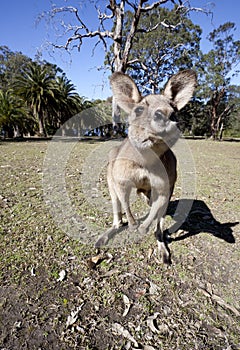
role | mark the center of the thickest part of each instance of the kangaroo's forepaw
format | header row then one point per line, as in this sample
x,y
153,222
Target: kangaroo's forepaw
x,y
104,238
101,241
142,229
133,226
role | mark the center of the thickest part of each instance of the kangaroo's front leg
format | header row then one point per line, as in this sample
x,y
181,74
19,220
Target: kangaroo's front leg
x,y
117,219
123,192
158,209
116,204
117,210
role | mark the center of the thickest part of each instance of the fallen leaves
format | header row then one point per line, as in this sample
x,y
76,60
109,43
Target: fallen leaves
x,y
94,261
123,332
219,300
151,322
127,304
62,275
122,301
153,288
120,330
33,271
73,317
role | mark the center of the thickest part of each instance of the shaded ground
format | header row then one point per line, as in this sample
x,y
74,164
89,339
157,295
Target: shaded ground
x,y
57,293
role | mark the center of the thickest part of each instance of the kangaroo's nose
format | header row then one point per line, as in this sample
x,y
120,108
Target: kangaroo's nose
x,y
158,115
173,117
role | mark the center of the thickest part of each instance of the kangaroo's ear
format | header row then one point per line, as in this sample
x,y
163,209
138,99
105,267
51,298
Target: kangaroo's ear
x,y
180,87
125,91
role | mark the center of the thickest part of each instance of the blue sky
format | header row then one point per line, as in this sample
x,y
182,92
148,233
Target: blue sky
x,y
19,31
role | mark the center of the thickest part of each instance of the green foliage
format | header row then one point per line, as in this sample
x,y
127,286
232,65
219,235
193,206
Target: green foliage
x,y
37,96
12,64
36,86
165,42
41,97
14,116
67,98
218,66
194,119
233,121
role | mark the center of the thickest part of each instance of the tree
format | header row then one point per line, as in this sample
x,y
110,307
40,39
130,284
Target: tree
x,y
158,54
233,121
15,119
110,29
35,95
69,101
218,67
37,87
12,64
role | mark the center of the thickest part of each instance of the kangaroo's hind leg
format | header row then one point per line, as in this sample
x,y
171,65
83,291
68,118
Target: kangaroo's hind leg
x,y
162,241
123,191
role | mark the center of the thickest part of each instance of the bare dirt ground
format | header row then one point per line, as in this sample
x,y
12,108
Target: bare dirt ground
x,y
58,293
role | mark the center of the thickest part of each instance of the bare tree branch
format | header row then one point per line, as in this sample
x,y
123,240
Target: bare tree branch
x,y
113,15
155,5
131,4
185,7
81,30
80,37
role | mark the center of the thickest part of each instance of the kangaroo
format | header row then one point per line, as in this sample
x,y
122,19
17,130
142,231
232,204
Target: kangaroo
x,y
145,160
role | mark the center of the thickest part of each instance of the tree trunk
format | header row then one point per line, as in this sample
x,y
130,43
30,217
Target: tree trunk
x,y
120,61
215,119
213,123
117,64
116,114
41,126
222,118
17,132
221,131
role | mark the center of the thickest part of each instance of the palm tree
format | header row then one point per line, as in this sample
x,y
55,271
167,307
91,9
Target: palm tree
x,y
69,104
37,87
14,116
68,99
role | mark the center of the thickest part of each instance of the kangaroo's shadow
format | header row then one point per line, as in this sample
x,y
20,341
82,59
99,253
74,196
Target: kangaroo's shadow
x,y
199,219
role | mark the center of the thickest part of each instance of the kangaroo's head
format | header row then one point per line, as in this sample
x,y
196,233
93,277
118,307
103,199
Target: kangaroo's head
x,y
152,119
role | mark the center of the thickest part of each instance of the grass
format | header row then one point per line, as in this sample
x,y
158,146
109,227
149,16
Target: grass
x,y
195,302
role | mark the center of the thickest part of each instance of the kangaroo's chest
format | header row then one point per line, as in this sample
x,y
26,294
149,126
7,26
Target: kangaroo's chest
x,y
142,170
135,175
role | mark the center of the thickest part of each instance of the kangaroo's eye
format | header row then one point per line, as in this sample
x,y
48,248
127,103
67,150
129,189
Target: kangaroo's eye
x,y
139,110
158,115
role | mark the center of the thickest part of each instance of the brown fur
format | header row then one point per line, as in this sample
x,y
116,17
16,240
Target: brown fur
x,y
144,160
